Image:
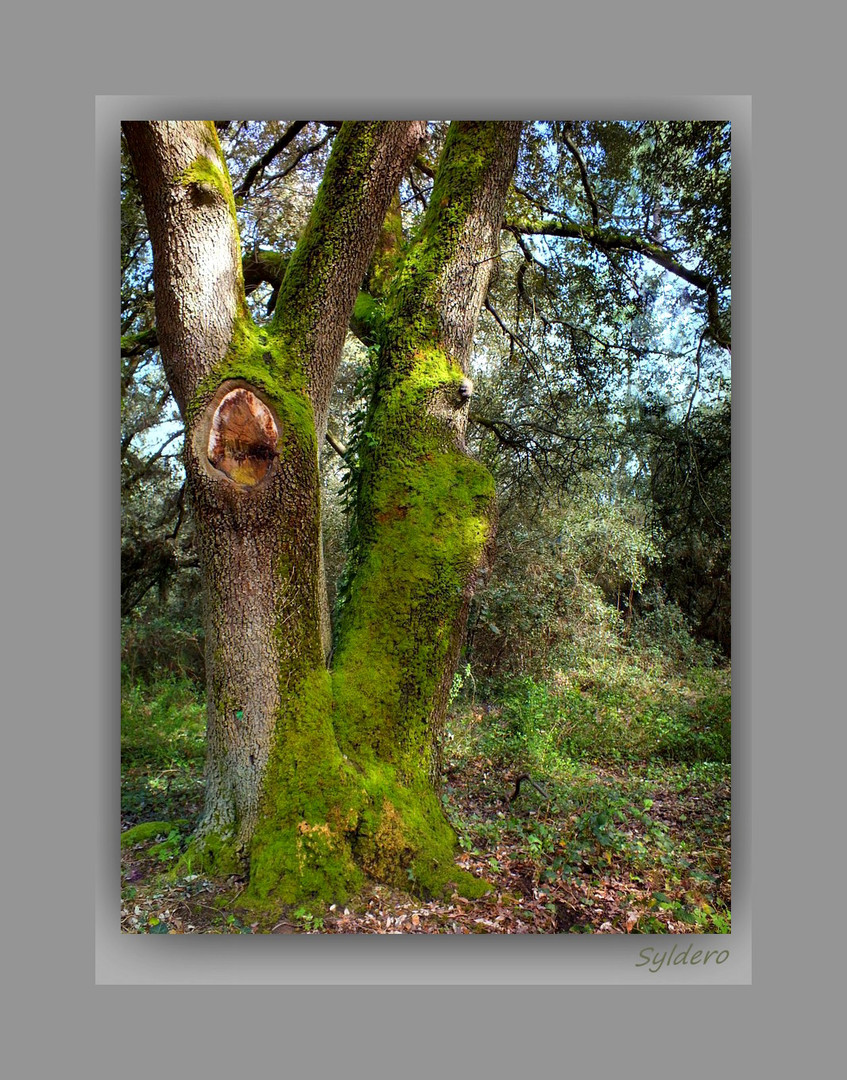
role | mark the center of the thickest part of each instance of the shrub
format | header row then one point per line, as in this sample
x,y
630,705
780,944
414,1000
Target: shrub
x,y
665,633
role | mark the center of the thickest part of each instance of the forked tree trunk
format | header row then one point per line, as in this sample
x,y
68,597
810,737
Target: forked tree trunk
x,y
314,776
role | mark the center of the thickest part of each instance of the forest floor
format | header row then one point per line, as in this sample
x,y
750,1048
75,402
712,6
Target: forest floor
x,y
623,825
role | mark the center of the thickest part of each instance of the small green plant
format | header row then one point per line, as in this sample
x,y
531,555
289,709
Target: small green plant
x,y
234,925
311,923
460,679
169,848
714,921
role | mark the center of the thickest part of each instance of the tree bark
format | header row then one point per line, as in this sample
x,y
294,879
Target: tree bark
x,y
314,775
424,517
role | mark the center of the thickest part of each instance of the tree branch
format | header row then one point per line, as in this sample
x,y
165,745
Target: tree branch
x,y
304,153
145,469
608,240
423,165
328,266
543,207
264,267
515,338
417,192
272,152
501,429
583,172
457,248
136,344
337,446
187,198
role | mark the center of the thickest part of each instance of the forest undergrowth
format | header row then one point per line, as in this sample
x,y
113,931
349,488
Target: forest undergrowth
x,y
596,800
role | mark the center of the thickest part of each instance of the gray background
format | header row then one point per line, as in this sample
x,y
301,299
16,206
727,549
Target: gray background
x,y
61,547
551,960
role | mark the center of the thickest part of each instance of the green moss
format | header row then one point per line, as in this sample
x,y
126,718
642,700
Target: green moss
x,y
424,515
214,853
258,357
147,830
422,518
301,848
208,173
302,862
327,817
404,839
316,257
412,310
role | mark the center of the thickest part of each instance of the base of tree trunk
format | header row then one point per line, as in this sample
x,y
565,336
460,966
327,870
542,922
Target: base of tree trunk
x,y
327,822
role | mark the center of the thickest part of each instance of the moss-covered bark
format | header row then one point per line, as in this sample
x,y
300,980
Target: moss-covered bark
x,y
424,519
317,776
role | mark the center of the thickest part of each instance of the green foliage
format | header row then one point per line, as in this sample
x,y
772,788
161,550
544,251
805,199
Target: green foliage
x,y
163,749
689,506
665,634
234,925
311,923
603,542
610,743
167,643
162,725
613,710
169,848
634,774
562,586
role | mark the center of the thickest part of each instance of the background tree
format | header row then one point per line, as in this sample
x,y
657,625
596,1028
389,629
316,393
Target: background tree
x,y
689,499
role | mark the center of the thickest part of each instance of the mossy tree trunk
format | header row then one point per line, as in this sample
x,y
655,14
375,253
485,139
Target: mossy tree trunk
x,y
317,773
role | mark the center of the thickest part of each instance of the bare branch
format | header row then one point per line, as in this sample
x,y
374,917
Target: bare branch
x,y
423,165
543,207
583,172
147,467
180,505
417,192
272,152
337,446
515,338
304,153
608,240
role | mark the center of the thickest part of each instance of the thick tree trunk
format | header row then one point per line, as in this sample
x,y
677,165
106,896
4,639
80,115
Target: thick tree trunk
x,y
314,776
424,518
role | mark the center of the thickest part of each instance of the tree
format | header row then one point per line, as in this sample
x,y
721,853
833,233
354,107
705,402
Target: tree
x,y
315,774
690,508
322,738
